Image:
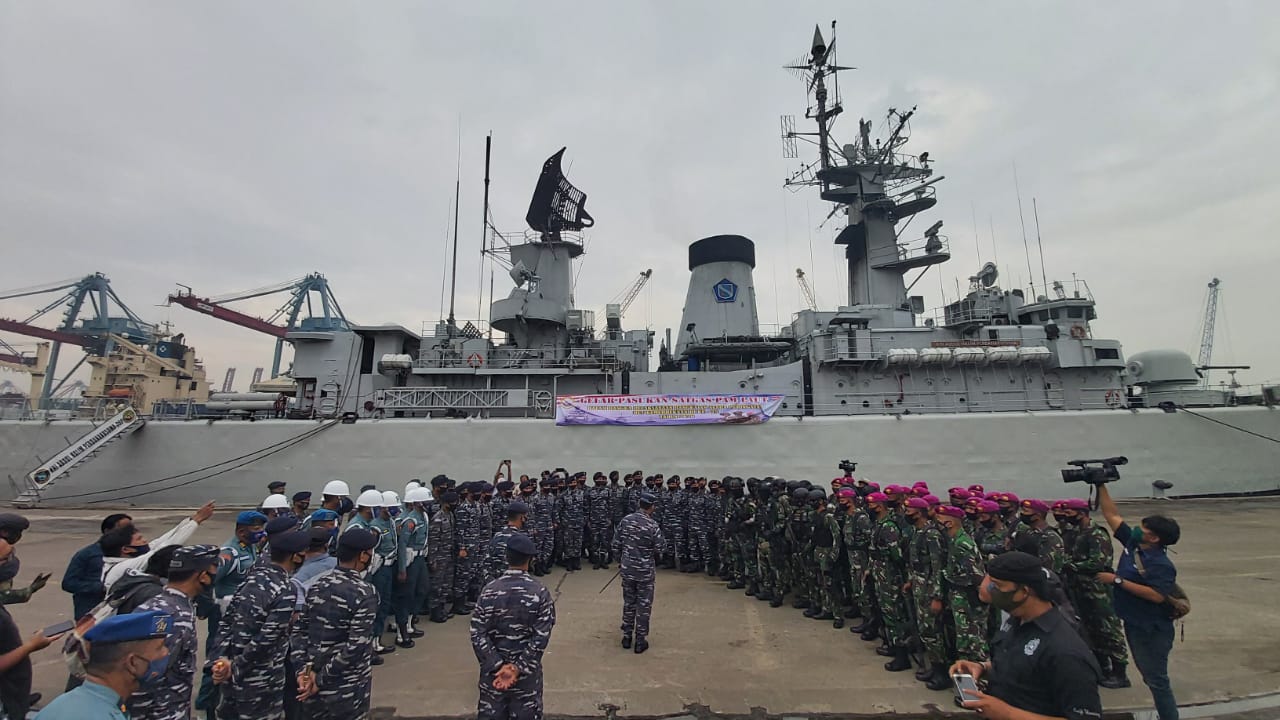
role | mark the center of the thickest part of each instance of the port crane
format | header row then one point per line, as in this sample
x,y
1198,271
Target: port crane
x,y
614,311
287,318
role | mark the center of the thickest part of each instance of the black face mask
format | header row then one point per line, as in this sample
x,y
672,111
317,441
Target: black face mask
x,y
988,523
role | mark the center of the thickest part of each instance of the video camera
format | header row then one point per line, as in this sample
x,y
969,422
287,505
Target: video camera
x,y
848,465
1094,472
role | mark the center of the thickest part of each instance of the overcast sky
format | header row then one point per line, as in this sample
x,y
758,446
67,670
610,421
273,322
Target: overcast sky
x,y
232,145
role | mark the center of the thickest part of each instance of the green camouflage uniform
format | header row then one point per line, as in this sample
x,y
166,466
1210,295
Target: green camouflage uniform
x,y
857,542
767,536
779,549
1048,543
961,573
924,564
1089,553
888,577
827,546
742,535
798,527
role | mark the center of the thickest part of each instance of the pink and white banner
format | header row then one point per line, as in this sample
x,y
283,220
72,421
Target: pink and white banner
x,y
666,409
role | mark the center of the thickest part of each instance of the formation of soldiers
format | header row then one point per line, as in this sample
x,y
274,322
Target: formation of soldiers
x,y
898,558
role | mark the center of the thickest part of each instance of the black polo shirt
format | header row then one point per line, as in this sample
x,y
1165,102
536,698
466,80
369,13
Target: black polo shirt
x,y
1043,666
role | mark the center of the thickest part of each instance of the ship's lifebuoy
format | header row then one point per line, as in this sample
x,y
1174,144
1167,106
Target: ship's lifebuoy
x,y
1114,398
1077,332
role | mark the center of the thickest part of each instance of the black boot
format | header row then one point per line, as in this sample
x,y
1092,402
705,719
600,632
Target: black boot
x,y
626,642
765,595
811,612
901,661
734,585
886,651
838,623
1117,678
823,615
752,589
776,600
871,634
403,639
852,614
460,607
414,632
438,615
641,645
799,603
924,673
940,679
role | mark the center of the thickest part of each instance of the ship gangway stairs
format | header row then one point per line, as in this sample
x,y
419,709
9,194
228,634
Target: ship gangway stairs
x,y
80,451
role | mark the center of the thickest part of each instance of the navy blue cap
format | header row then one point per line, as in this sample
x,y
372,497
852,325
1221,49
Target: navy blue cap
x,y
279,525
358,538
275,484
13,521
450,497
518,508
303,495
194,557
647,498
130,627
505,485
519,542
294,541
251,517
323,515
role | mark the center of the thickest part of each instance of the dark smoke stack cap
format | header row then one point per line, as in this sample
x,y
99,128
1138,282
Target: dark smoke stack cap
x,y
722,248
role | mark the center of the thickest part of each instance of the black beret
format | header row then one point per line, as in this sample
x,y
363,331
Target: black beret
x,y
294,541
275,484
320,537
439,481
519,542
300,496
518,508
449,498
505,485
647,499
357,538
1018,567
13,521
278,525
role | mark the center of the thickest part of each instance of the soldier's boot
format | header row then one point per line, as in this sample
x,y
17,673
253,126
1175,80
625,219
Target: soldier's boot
x,y
734,584
403,638
778,597
872,633
380,649
884,650
800,603
866,624
766,595
375,660
940,680
811,612
414,632
852,613
460,606
901,661
626,642
823,615
752,589
924,673
838,622
641,645
1117,678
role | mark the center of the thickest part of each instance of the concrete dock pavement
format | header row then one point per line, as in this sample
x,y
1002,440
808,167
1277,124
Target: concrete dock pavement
x,y
715,651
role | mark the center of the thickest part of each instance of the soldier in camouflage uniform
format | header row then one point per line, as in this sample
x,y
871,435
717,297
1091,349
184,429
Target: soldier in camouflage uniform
x,y
600,500
638,543
237,558
510,630
694,525
1090,552
618,497
743,534
370,515
857,539
798,530
962,571
504,495
1009,504
827,548
442,556
495,562
924,582
767,532
667,515
991,534
724,553
887,573
414,529
191,573
332,640
484,509
547,520
779,551
1034,536
466,533
249,655
573,517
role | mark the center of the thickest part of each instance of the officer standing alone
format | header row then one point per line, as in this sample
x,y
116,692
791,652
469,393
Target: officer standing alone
x,y
638,543
510,628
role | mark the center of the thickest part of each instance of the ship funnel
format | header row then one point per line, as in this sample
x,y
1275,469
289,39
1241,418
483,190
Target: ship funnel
x,y
721,301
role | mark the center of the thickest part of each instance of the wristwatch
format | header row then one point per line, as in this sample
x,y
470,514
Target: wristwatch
x,y
1118,581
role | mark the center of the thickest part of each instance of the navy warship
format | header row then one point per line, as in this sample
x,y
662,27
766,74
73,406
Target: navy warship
x,y
1001,386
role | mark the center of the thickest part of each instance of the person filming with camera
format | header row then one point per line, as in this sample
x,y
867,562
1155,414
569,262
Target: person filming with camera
x,y
1143,582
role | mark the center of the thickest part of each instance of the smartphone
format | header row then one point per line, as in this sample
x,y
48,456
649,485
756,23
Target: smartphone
x,y
58,629
964,685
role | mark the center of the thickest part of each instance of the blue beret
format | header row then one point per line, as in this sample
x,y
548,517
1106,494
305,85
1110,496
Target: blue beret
x,y
518,508
519,542
323,515
294,541
130,627
194,557
358,538
281,524
251,517
647,498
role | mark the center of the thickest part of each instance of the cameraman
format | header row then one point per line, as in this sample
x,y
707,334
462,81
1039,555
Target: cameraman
x,y
1140,596
1040,667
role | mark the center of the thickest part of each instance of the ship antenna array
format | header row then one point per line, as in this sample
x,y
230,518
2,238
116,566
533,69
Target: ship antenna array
x,y
815,68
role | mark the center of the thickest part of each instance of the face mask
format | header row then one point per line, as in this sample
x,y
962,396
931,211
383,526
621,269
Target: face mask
x,y
1135,534
142,549
393,511
1002,600
333,531
913,518
155,670
1028,519
345,506
989,522
257,537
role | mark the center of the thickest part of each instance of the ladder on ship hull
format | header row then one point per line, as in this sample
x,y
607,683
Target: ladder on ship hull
x,y
78,452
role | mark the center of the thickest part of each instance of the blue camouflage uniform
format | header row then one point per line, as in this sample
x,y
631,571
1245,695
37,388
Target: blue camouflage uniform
x,y
543,521
170,697
334,634
512,624
254,637
573,517
600,520
466,532
637,543
442,557
234,563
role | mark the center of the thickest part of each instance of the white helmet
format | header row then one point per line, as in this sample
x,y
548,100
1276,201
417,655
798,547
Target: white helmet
x,y
275,502
417,495
336,488
412,484
390,499
369,499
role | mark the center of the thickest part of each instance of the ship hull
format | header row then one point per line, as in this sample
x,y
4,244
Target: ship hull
x,y
186,463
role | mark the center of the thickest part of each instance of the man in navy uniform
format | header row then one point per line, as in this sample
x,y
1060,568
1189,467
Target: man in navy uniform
x,y
125,653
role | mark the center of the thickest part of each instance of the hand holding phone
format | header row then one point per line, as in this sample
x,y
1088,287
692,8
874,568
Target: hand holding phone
x,y
57,629
966,687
